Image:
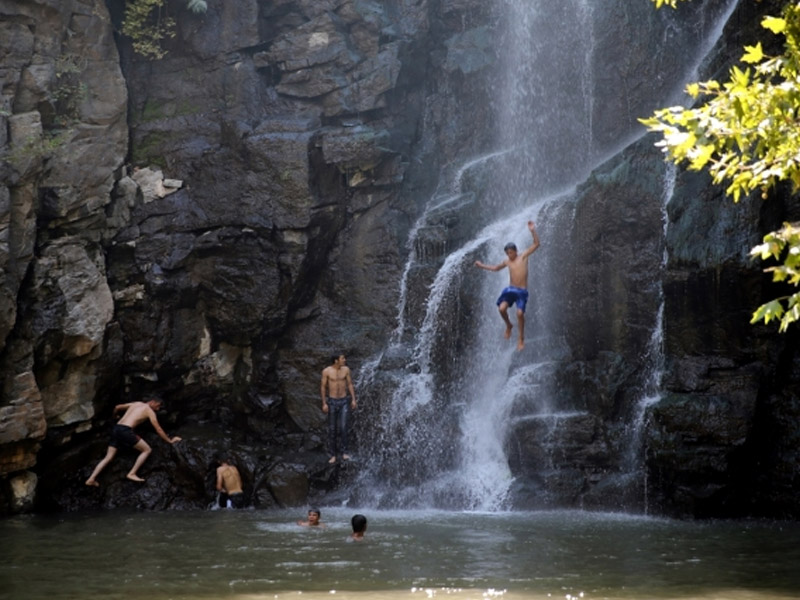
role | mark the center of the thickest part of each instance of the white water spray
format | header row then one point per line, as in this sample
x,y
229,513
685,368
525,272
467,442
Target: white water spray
x,y
549,122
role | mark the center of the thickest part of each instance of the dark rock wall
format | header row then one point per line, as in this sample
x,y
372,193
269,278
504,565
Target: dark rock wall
x,y
212,226
715,439
719,443
64,136
253,226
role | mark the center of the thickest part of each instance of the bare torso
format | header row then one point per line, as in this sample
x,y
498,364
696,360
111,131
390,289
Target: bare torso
x,y
230,479
135,414
518,272
336,380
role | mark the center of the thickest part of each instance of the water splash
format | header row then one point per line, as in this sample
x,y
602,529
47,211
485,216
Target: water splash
x,y
450,196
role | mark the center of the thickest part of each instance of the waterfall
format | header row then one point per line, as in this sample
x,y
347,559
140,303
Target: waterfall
x,y
651,388
451,197
450,387
544,114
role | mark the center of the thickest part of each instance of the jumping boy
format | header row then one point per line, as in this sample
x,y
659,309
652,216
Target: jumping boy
x,y
517,291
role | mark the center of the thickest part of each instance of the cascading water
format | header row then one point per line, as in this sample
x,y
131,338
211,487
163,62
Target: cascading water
x,y
452,388
651,387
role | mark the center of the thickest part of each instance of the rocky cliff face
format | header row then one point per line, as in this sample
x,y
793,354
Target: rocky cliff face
x,y
212,226
64,135
254,226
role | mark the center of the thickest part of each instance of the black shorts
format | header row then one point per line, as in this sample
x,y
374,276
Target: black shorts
x,y
123,436
237,500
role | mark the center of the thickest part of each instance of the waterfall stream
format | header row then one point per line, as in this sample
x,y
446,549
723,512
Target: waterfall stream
x,y
451,386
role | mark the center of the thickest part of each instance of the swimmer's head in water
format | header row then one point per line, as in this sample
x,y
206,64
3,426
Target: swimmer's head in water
x,y
359,523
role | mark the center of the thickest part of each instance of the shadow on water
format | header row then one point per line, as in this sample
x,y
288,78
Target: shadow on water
x,y
421,554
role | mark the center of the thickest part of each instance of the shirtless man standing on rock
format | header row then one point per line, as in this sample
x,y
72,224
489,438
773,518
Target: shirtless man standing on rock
x,y
517,291
123,436
336,382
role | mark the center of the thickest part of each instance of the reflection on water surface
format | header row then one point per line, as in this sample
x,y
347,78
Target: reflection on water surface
x,y
407,555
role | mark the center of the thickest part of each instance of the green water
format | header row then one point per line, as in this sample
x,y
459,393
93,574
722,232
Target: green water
x,y
407,554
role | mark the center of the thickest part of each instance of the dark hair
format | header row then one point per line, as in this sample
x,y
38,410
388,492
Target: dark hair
x,y
359,523
335,357
316,511
509,246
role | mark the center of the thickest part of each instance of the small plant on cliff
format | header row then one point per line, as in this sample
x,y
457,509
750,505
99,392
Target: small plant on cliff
x,y
746,134
148,25
69,91
36,148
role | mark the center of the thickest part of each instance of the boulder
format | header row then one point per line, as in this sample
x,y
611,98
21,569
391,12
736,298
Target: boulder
x,y
23,491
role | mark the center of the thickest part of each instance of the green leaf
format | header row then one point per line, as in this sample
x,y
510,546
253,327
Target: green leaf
x,y
746,134
774,24
789,317
753,54
767,312
701,156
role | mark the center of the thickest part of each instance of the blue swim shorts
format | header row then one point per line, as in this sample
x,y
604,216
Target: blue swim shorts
x,y
513,295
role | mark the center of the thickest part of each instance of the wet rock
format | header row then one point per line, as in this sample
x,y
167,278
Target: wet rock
x,y
470,51
288,484
22,424
354,147
153,184
366,84
319,41
17,236
74,298
25,143
565,440
693,448
23,491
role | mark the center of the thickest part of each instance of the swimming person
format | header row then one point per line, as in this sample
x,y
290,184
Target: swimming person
x,y
123,436
229,485
517,290
314,516
359,523
335,384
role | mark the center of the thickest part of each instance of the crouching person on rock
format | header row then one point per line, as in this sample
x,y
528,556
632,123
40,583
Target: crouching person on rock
x,y
229,485
123,436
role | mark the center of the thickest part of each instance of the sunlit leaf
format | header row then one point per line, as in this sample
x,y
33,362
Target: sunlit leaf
x,y
746,134
767,312
701,156
753,54
774,24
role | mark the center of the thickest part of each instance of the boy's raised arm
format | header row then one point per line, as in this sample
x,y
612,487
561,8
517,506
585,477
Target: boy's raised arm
x,y
535,245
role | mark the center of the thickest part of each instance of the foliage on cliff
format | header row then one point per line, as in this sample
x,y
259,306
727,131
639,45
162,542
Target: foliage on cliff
x,y
672,3
746,133
148,25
